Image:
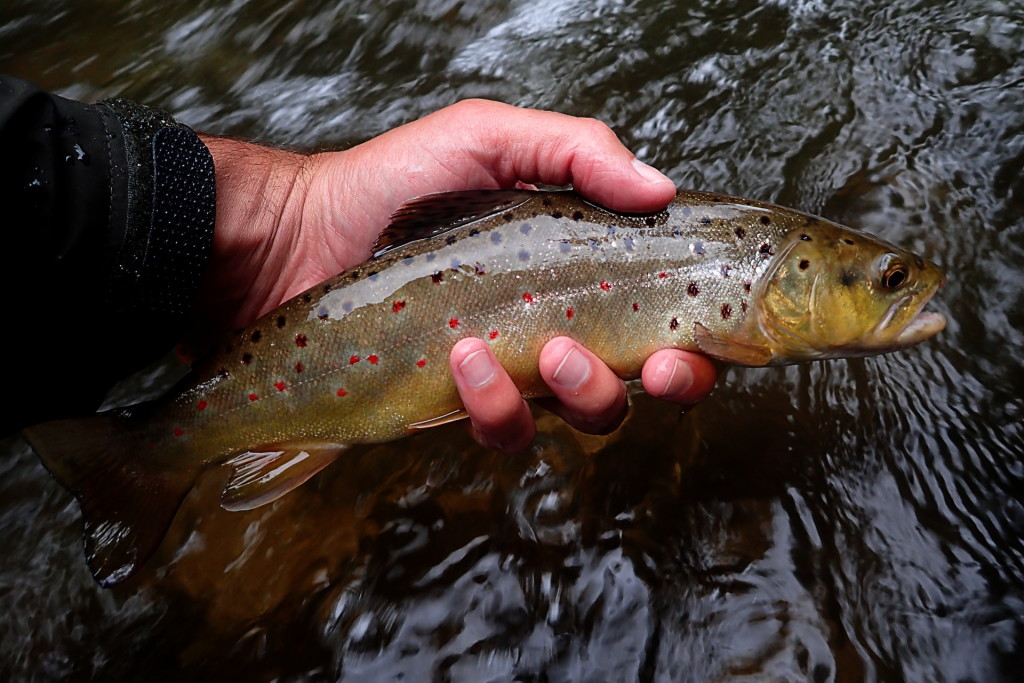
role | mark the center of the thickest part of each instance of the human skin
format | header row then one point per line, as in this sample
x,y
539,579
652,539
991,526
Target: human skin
x,y
287,221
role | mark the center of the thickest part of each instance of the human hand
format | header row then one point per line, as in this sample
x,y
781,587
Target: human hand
x,y
286,222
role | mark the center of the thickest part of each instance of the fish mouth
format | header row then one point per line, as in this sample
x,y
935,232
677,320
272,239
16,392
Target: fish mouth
x,y
922,324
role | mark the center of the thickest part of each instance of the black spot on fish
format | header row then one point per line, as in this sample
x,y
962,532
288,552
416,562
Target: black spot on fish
x,y
806,238
847,278
676,232
322,313
327,288
674,324
649,221
628,243
507,216
256,336
577,215
804,264
246,358
525,228
407,261
687,211
697,248
725,269
524,255
546,201
743,306
766,250
347,306
705,220
726,311
556,214
222,373
692,289
479,269
307,298
473,232
593,244
496,237
450,239
746,286
611,230
765,220
741,232
436,277
431,256
280,321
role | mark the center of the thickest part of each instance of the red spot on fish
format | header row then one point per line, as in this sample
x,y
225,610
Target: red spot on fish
x,y
527,297
353,360
300,340
373,359
605,286
299,367
280,386
178,431
663,274
493,334
202,404
636,307
397,306
453,323
421,362
253,397
341,392
569,313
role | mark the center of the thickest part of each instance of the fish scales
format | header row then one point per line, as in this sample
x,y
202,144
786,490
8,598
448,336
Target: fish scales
x,y
363,357
473,283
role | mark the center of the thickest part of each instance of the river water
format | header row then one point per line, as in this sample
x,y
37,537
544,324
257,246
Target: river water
x,y
849,520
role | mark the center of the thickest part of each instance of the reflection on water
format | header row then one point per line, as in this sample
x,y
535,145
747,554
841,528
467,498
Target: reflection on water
x,y
842,521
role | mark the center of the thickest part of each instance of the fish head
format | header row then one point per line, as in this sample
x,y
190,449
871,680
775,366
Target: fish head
x,y
835,292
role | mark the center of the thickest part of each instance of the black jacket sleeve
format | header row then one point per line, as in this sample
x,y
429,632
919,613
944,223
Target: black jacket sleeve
x,y
106,222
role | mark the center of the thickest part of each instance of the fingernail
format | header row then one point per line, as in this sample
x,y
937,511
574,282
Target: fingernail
x,y
680,379
573,371
477,368
650,174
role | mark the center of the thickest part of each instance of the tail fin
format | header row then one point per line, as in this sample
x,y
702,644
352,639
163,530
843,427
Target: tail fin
x,y
127,498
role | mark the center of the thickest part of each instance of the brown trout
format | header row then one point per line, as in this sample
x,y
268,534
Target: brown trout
x,y
363,357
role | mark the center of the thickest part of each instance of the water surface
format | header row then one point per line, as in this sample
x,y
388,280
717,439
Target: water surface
x,y
854,520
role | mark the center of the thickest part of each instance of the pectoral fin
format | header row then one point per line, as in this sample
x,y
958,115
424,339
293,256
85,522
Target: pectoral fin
x,y
454,416
260,477
735,352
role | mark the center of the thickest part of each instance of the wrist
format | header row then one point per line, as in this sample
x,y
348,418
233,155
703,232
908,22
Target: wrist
x,y
261,193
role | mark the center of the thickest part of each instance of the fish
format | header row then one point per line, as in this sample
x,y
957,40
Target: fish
x,y
362,358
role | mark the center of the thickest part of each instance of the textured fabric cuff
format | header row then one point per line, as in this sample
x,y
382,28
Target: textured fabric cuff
x,y
169,216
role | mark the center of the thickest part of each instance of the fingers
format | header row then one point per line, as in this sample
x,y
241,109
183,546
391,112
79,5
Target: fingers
x,y
587,394
499,417
546,147
678,376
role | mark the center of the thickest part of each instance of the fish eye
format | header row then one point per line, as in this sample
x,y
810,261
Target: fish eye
x,y
893,273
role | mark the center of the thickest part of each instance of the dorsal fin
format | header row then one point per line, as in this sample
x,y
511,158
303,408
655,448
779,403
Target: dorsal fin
x,y
435,214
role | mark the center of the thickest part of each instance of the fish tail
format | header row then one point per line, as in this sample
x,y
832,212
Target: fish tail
x,y
128,498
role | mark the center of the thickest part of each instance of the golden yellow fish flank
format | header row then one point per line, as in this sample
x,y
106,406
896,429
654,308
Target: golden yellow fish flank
x,y
362,358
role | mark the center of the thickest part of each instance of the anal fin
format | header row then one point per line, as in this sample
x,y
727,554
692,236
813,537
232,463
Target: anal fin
x,y
735,352
263,476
